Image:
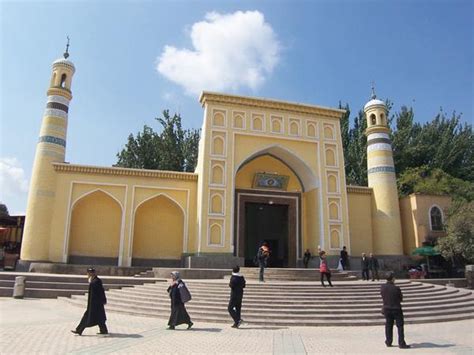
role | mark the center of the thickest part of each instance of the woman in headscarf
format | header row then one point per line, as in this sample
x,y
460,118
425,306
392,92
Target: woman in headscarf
x,y
179,315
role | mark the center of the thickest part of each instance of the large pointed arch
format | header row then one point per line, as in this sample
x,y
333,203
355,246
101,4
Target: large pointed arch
x,y
95,228
303,172
158,230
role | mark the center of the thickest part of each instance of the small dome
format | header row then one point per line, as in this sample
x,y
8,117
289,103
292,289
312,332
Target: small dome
x,y
374,102
62,61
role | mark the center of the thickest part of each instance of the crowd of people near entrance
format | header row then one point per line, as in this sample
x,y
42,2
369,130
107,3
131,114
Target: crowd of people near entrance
x,y
179,295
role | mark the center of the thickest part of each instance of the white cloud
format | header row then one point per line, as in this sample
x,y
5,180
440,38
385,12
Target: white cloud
x,y
13,184
230,51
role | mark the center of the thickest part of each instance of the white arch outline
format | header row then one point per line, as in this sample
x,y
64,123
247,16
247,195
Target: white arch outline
x,y
71,210
213,146
221,197
333,150
132,224
222,240
304,173
429,216
338,211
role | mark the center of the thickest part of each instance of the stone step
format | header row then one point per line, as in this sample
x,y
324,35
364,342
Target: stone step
x,y
343,308
61,278
285,304
281,318
294,296
420,302
288,291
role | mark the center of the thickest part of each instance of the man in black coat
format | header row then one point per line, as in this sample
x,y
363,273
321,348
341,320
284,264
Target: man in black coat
x,y
364,265
95,312
374,267
237,285
344,259
392,310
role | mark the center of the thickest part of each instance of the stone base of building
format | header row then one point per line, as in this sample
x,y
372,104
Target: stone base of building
x,y
213,261
59,268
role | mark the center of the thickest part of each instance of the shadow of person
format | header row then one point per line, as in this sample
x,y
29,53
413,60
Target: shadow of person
x,y
262,328
430,345
211,330
121,335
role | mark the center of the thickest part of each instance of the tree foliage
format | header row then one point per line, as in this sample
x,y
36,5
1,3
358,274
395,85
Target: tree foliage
x,y
354,144
174,148
434,182
4,210
459,241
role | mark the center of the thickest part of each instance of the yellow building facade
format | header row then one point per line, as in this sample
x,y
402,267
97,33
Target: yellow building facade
x,y
268,170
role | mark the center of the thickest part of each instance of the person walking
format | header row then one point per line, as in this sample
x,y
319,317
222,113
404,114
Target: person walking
x,y
262,257
344,259
324,269
374,267
95,312
237,285
364,265
306,258
392,311
179,315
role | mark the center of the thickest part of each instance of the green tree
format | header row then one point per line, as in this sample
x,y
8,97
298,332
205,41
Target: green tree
x,y
172,149
459,241
435,182
443,143
354,144
4,210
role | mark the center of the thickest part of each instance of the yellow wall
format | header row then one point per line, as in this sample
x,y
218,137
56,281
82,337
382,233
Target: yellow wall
x,y
414,211
360,223
158,229
95,226
131,188
311,221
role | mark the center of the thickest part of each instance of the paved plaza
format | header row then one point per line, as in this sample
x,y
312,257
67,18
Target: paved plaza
x,y
42,326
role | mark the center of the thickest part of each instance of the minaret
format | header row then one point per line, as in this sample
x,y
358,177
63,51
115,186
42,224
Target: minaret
x,y
51,148
381,176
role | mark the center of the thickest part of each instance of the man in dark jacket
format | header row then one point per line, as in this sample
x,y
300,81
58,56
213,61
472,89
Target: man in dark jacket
x,y
95,312
237,285
344,259
374,267
262,258
392,310
364,265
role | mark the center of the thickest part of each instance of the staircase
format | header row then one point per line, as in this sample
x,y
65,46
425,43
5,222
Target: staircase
x,y
353,303
40,285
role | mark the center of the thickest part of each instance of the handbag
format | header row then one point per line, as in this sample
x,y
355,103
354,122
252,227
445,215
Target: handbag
x,y
184,292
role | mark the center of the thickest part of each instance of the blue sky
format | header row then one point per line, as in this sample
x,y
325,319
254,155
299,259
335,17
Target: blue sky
x,y
135,58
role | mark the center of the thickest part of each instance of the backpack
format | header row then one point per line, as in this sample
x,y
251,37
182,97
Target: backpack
x,y
184,292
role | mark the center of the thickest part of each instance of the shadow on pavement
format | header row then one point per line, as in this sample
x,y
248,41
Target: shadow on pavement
x,y
262,328
120,335
430,345
212,330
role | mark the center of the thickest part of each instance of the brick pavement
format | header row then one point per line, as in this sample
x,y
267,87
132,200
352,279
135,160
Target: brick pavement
x,y
34,326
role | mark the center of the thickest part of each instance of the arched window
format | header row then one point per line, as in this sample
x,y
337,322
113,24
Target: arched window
x,y
63,80
373,119
436,218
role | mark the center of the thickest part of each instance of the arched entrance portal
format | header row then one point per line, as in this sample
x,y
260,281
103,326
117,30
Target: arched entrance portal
x,y
268,208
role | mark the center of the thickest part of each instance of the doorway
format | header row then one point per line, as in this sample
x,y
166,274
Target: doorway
x,y
268,216
265,222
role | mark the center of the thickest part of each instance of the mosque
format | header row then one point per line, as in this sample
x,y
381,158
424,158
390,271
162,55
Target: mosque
x,y
268,170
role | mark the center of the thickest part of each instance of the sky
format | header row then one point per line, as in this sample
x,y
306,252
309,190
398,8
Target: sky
x,y
136,58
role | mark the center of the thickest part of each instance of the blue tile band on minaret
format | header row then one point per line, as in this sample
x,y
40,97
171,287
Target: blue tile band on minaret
x,y
52,140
